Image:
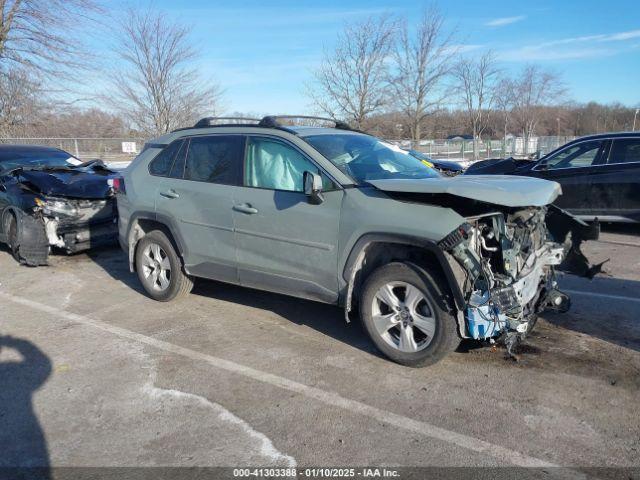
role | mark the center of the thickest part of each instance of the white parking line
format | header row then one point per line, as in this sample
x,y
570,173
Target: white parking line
x,y
617,242
602,295
504,455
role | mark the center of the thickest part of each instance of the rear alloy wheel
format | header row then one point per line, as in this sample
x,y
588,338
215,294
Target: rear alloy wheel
x,y
156,267
403,312
159,268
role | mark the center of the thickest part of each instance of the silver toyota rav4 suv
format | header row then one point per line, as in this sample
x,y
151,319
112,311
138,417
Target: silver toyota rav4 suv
x,y
341,217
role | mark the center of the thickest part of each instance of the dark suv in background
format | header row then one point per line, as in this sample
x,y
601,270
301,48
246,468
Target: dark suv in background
x,y
599,174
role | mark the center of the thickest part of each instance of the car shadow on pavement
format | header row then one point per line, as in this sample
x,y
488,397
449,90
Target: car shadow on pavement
x,y
22,441
611,319
115,262
326,319
621,228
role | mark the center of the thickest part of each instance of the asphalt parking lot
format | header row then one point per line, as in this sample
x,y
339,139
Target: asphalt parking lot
x,y
235,377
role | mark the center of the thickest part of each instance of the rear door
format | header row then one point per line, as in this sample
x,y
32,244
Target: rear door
x,y
616,183
571,167
285,244
197,198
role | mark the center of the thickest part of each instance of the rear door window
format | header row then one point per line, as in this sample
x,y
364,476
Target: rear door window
x,y
215,159
625,150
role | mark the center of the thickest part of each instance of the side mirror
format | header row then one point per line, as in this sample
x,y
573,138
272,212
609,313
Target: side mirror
x,y
313,187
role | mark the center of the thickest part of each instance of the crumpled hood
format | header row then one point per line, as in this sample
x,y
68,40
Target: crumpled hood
x,y
79,183
506,190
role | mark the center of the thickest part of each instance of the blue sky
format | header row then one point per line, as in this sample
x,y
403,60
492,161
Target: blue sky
x,y
263,52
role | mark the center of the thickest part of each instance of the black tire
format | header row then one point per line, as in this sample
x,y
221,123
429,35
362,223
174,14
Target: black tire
x,y
180,284
12,237
445,337
27,240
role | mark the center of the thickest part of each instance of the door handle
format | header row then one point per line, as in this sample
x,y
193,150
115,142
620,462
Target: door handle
x,y
170,194
245,208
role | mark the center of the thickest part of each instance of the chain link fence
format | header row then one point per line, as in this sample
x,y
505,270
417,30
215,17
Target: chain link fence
x,y
107,149
462,150
125,149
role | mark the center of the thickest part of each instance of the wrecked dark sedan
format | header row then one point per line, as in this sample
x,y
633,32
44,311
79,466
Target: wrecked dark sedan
x,y
49,198
599,175
448,167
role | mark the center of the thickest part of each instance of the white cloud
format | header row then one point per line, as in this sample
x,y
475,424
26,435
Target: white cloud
x,y
533,54
587,46
624,35
501,22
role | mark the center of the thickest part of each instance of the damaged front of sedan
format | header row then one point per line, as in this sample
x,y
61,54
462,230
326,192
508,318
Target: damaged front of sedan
x,y
48,198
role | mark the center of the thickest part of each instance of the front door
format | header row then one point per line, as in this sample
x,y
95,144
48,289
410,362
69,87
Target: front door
x,y
198,198
285,244
571,167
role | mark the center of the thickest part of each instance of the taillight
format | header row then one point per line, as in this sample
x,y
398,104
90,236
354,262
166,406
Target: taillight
x,y
118,185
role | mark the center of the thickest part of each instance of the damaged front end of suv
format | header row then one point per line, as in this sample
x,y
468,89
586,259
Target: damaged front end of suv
x,y
508,262
69,208
506,254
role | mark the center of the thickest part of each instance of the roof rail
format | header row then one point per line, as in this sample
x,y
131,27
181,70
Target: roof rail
x,y
272,121
209,121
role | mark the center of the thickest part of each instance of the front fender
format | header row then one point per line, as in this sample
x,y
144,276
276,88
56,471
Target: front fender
x,y
447,263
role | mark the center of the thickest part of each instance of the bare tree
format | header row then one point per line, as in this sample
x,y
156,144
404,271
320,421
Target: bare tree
x,y
503,103
476,80
533,90
20,103
351,82
422,62
38,35
157,88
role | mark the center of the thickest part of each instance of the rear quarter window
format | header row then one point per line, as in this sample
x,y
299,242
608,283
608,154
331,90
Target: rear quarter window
x,y
161,165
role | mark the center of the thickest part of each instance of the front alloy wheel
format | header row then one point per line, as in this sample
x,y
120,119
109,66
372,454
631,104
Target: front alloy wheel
x,y
403,316
404,312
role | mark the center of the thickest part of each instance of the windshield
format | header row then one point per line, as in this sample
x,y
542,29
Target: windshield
x,y
38,158
367,158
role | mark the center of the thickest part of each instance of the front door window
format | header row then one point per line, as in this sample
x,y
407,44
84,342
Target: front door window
x,y
274,165
576,156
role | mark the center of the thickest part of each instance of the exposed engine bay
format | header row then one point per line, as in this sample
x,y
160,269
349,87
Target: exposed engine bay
x,y
509,260
505,255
